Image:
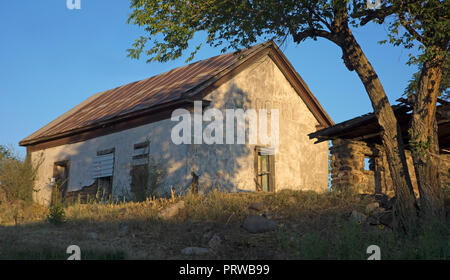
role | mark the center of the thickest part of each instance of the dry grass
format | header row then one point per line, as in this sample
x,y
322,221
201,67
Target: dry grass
x,y
311,225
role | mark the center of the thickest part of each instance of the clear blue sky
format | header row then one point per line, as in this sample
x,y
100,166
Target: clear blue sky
x,y
53,58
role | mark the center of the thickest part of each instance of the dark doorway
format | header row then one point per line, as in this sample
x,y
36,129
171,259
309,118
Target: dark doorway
x,y
60,180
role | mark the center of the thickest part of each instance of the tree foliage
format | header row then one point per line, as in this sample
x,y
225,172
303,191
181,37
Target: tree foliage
x,y
16,176
171,24
424,24
421,25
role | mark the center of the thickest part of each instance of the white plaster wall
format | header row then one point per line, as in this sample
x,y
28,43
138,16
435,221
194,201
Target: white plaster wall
x,y
299,163
82,154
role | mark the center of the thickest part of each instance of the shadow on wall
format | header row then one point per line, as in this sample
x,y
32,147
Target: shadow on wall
x,y
226,167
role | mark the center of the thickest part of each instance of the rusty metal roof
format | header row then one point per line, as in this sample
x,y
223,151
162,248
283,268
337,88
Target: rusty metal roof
x,y
134,97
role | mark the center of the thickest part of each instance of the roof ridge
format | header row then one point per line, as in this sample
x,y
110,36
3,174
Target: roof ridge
x,y
116,91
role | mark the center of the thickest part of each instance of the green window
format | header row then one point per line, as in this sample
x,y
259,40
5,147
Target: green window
x,y
264,166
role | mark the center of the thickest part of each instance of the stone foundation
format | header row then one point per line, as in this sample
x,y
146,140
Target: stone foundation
x,y
445,170
348,167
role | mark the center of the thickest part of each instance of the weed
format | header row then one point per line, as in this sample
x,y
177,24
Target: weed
x,y
56,215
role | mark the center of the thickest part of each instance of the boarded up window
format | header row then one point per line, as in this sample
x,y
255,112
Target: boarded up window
x,y
103,165
139,172
140,153
60,180
265,169
102,171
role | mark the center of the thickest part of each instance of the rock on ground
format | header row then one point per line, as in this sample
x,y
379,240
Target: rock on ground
x,y
208,227
258,224
383,200
190,251
358,216
92,235
207,235
371,207
378,211
386,219
171,211
123,230
215,242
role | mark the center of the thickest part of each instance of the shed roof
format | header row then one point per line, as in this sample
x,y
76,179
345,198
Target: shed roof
x,y
173,87
366,128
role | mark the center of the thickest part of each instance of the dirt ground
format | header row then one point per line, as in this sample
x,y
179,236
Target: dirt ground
x,y
308,226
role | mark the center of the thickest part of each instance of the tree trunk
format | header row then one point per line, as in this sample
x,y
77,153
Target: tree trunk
x,y
405,210
424,142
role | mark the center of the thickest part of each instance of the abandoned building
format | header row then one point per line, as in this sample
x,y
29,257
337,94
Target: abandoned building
x,y
114,137
358,160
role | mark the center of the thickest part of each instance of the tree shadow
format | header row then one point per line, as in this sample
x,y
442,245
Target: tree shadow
x,y
218,166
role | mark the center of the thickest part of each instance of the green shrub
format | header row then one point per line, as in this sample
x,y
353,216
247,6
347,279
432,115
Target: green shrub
x,y
17,176
56,215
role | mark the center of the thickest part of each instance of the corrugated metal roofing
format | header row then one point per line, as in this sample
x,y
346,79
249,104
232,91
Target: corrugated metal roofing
x,y
166,88
139,95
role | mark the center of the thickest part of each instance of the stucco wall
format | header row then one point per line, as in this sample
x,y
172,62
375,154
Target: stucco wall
x,y
82,154
299,163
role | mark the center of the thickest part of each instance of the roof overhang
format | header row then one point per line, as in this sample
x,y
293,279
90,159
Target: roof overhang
x,y
365,128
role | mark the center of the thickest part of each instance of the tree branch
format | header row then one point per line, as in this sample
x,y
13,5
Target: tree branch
x,y
380,14
313,33
410,29
322,20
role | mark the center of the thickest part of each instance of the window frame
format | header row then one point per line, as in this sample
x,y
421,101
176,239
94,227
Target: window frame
x,y
110,179
270,172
